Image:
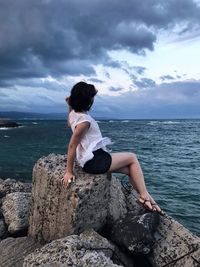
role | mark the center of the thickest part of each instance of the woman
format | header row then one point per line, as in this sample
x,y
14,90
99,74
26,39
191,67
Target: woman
x,y
89,147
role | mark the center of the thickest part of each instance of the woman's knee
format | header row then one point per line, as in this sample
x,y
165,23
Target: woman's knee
x,y
133,157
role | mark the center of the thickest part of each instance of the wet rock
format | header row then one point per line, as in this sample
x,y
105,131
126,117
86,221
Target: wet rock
x,y
57,211
16,209
14,250
135,233
87,250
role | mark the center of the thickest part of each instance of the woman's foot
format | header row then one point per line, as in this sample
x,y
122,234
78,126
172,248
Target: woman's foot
x,y
149,203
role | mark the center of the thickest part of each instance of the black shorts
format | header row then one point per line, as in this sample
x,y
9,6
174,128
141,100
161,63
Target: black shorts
x,y
100,163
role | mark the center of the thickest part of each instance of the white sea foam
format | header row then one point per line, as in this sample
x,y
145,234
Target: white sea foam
x,y
34,122
125,121
163,122
5,128
171,122
6,136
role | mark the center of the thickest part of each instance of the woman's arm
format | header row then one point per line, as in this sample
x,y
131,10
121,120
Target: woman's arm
x,y
77,135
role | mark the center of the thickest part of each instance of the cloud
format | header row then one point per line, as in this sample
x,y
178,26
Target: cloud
x,y
167,77
167,100
139,69
115,89
145,83
41,38
95,80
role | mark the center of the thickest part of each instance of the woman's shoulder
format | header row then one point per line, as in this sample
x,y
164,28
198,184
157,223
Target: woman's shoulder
x,y
77,116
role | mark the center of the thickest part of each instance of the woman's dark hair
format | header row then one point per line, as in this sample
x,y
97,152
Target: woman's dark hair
x,y
81,98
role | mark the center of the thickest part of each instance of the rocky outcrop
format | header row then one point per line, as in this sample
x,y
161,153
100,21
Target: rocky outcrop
x,y
87,250
8,123
56,211
61,219
14,250
15,209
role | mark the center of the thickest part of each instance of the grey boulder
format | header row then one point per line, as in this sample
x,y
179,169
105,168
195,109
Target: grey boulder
x,y
11,185
87,250
16,209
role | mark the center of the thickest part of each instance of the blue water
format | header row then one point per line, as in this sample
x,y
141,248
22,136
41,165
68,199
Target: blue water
x,y
169,153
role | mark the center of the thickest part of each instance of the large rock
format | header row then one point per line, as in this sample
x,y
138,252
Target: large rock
x,y
136,233
14,250
87,250
16,209
175,245
57,211
11,185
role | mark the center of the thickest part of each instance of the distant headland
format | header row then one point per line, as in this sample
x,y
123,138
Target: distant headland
x,y
8,123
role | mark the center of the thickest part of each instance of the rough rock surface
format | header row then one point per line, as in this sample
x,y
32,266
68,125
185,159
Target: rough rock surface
x,y
87,250
3,229
16,209
175,245
117,201
57,211
14,250
11,185
135,233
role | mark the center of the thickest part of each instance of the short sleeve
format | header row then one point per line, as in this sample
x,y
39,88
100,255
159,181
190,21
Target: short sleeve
x,y
82,118
75,119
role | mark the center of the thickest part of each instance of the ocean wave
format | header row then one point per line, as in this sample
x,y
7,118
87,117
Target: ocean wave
x,y
6,136
34,122
5,128
125,121
163,122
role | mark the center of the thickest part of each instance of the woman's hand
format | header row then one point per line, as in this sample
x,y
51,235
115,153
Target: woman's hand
x,y
67,179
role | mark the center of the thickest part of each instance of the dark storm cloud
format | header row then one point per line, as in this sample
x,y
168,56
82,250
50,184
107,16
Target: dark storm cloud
x,y
166,77
44,37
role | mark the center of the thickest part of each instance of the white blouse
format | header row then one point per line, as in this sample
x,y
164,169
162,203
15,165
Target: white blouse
x,y
91,141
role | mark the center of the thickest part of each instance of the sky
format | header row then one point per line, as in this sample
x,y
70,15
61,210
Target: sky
x,y
143,56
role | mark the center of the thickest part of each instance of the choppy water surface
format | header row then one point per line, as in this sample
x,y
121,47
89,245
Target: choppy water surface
x,y
169,153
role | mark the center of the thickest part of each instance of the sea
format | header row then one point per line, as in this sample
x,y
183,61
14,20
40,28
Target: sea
x,y
168,151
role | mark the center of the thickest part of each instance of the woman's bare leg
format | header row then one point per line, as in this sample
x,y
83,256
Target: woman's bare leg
x,y
128,163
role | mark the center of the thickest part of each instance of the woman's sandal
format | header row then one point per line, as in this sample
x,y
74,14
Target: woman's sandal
x,y
152,204
144,202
